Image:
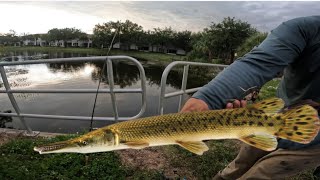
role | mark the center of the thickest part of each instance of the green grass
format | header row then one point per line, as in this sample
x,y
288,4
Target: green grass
x,y
19,161
206,166
269,89
150,56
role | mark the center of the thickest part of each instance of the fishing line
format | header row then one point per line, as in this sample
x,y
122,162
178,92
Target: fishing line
x,y
100,78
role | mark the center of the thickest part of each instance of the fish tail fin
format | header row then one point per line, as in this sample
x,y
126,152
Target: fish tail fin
x,y
301,124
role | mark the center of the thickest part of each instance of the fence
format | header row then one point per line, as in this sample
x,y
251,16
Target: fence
x,y
183,91
112,91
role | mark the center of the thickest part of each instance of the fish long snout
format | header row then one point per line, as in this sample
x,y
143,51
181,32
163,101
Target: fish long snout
x,y
51,148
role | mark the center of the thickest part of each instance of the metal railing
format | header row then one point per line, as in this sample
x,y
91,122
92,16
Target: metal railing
x,y
10,92
183,91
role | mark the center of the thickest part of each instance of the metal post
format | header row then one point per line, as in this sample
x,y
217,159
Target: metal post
x,y
183,91
12,99
184,84
111,84
163,89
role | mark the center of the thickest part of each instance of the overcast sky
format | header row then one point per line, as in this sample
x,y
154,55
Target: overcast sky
x,y
39,17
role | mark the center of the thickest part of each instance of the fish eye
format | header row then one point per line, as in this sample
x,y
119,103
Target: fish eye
x,y
82,143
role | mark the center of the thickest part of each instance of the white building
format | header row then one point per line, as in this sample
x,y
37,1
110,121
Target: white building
x,y
29,42
41,42
57,43
181,52
35,42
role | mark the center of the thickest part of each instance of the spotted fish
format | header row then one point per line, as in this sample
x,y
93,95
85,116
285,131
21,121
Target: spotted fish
x,y
258,125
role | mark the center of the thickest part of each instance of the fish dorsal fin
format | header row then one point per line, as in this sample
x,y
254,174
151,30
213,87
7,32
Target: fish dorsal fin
x,y
197,147
265,142
136,144
268,106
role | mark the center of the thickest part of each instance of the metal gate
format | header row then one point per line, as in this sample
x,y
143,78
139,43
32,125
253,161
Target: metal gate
x,y
183,91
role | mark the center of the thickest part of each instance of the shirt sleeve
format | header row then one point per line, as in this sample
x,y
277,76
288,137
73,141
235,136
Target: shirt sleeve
x,y
281,47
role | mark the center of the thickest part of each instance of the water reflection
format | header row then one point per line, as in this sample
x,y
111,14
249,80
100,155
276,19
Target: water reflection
x,y
39,74
86,75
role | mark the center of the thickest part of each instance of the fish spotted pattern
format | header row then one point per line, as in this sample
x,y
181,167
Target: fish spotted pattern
x,y
258,125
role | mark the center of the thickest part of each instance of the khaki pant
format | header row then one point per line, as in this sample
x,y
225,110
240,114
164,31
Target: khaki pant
x,y
253,163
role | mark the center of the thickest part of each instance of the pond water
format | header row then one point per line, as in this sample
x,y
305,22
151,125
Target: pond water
x,y
86,76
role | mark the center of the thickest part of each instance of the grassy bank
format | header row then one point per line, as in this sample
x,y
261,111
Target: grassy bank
x,y
19,161
150,56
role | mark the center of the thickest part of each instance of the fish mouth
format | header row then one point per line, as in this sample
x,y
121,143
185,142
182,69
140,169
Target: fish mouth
x,y
51,148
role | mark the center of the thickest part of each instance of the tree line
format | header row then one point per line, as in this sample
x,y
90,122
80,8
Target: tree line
x,y
219,42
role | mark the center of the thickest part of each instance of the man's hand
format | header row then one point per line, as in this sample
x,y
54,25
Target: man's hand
x,y
194,104
236,104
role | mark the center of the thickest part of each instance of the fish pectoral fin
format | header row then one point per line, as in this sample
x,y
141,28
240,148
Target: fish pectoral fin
x,y
197,147
136,144
265,142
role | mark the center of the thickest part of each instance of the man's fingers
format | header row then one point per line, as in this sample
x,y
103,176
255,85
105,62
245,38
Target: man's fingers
x,y
243,103
236,104
229,106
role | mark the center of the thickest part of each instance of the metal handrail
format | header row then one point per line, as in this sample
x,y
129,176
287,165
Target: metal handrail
x,y
111,89
183,91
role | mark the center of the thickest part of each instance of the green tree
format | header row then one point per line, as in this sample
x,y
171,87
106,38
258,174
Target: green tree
x,y
9,38
222,39
163,37
144,38
128,33
103,33
250,43
204,46
182,40
83,36
230,34
54,34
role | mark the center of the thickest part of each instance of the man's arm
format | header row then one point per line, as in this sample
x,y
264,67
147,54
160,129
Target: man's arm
x,y
282,46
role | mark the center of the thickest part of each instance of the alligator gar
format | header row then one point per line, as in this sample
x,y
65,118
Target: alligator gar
x,y
258,124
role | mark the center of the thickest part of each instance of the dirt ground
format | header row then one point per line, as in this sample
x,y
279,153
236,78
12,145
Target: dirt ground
x,y
6,137
8,134
153,158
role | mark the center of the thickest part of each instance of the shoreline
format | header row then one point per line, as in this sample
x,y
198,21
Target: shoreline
x,y
139,55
